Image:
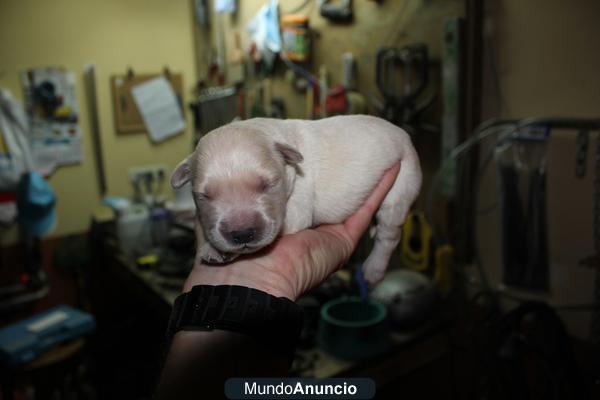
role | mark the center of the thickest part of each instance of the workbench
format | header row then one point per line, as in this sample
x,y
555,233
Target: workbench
x,y
410,351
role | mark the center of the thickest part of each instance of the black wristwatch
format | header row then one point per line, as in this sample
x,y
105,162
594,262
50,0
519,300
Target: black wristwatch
x,y
275,321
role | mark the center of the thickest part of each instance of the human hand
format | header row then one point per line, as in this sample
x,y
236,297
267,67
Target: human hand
x,y
295,263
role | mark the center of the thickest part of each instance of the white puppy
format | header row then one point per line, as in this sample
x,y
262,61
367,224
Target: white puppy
x,y
253,180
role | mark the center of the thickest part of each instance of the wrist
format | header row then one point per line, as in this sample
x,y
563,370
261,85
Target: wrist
x,y
275,321
241,273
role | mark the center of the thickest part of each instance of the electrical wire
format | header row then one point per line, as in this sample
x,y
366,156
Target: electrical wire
x,y
483,131
487,129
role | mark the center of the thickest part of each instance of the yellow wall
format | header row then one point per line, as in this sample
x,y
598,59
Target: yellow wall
x,y
113,34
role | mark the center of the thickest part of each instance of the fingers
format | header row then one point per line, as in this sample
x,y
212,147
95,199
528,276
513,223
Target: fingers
x,y
360,220
315,254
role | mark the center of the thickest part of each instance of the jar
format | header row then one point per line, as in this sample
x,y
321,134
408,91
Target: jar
x,y
295,37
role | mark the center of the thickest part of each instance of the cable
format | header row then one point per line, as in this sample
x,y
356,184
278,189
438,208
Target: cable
x,y
484,131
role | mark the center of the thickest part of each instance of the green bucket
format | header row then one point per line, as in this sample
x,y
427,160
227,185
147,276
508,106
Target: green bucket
x,y
353,329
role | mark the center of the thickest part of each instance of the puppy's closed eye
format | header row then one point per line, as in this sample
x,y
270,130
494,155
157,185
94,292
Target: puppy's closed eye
x,y
202,196
266,185
208,192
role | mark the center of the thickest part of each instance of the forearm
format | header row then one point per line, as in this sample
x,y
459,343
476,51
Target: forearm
x,y
226,331
199,362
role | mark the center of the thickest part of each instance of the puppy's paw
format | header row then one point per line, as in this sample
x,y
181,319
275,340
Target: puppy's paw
x,y
374,270
211,255
373,275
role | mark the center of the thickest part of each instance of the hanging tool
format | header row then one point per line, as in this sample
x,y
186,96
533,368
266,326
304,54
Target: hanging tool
x,y
522,171
416,241
337,11
420,253
90,81
402,75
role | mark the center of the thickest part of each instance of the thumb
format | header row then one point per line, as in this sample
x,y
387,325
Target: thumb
x,y
358,222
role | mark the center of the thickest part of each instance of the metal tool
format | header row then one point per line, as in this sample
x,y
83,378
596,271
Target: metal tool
x,y
216,106
420,253
402,75
521,163
338,11
416,242
90,81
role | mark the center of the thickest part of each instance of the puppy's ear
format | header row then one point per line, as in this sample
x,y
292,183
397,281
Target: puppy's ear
x,y
181,174
292,158
290,155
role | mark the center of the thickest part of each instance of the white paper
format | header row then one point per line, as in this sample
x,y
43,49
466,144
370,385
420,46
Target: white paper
x,y
15,150
159,108
55,138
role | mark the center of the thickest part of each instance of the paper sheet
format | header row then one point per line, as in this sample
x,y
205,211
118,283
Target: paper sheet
x,y
159,107
55,134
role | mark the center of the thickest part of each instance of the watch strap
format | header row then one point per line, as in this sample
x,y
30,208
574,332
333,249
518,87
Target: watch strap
x,y
276,321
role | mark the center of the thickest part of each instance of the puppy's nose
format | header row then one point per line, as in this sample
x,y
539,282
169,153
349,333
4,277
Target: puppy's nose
x,y
243,236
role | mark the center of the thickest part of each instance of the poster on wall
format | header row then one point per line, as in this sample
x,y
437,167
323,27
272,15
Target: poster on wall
x,y
51,104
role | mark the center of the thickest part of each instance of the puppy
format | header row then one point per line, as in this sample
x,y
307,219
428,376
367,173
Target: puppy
x,y
253,180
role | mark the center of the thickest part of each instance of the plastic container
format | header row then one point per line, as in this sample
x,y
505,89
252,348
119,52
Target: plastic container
x,y
353,329
25,340
134,230
295,37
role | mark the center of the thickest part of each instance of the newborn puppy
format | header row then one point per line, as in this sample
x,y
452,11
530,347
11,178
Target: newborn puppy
x,y
253,180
